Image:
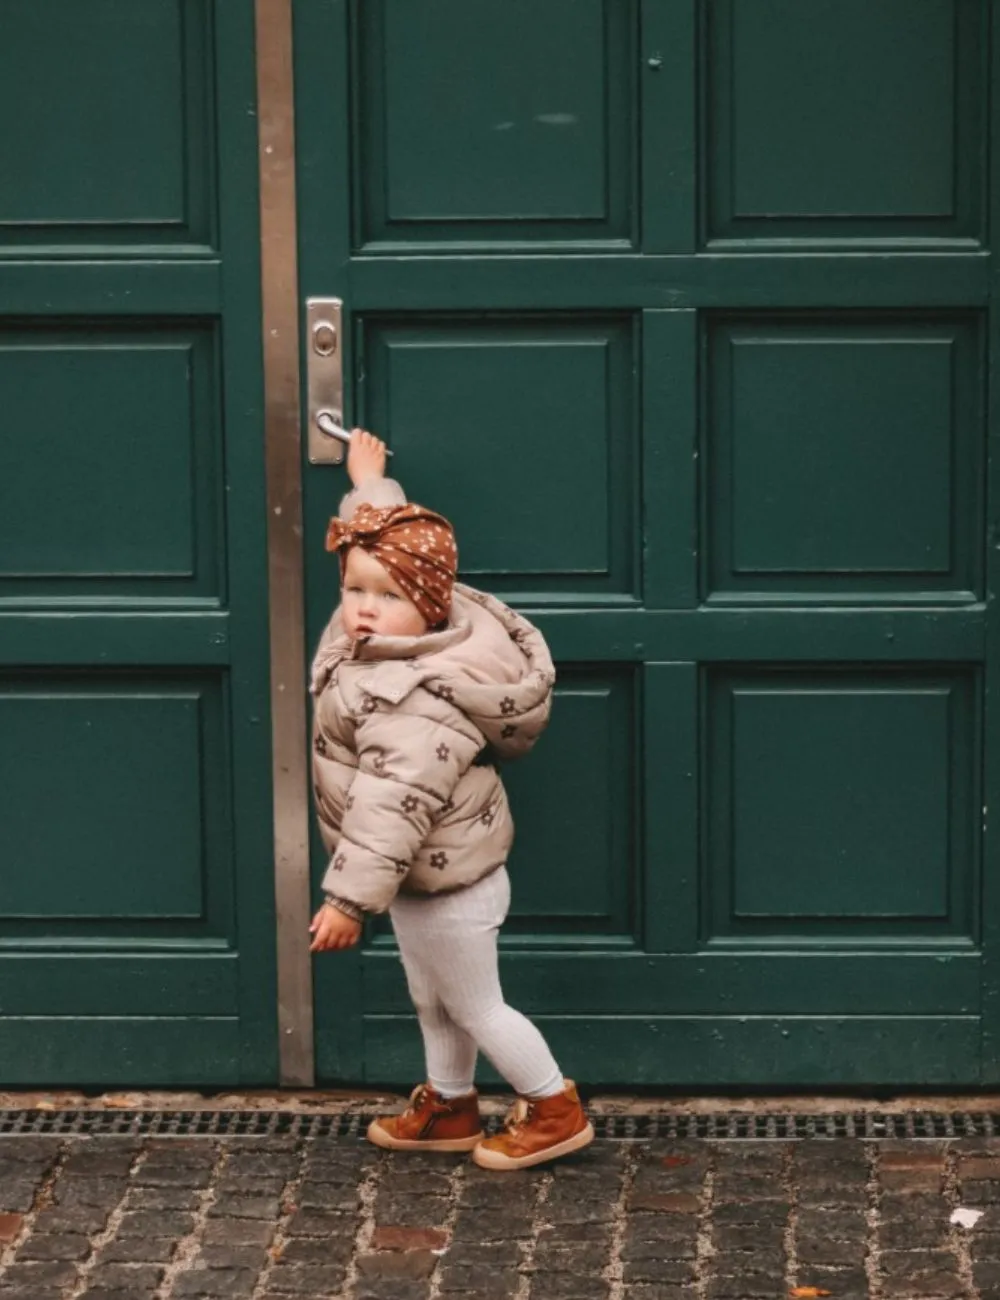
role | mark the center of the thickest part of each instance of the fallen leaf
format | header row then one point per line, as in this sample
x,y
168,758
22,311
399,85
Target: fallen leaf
x,y
802,1292
121,1101
45,1105
671,1162
966,1218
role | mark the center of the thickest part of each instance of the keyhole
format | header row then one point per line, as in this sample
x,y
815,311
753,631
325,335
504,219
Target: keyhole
x,y
324,339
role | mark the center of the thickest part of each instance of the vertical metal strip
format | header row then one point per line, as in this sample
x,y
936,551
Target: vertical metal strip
x,y
279,279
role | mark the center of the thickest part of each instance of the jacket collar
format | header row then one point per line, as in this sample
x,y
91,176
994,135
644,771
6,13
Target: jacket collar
x,y
370,648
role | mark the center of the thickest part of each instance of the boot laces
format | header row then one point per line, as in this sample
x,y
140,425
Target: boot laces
x,y
520,1114
417,1099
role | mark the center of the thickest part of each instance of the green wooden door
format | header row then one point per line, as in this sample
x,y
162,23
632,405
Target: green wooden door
x,y
136,863
708,286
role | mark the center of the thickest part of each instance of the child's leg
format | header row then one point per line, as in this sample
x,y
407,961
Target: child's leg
x,y
450,1053
455,945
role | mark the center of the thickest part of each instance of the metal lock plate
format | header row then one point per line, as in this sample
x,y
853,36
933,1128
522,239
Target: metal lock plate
x,y
324,376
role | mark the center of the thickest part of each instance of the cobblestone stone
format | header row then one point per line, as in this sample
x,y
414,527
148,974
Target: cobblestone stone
x,y
558,1286
17,1197
48,1273
163,1198
238,1232
388,1288
497,1284
674,1271
501,1225
146,1223
224,1283
828,1250
86,1219
138,1250
307,1279
650,1291
246,1257
121,1277
397,1263
55,1246
245,1207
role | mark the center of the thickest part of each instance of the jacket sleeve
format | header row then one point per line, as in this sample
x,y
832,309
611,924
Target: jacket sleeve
x,y
378,492
408,766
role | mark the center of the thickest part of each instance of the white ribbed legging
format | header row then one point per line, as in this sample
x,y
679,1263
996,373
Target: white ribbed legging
x,y
448,944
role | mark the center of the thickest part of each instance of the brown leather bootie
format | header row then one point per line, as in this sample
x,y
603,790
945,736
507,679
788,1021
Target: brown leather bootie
x,y
538,1129
430,1123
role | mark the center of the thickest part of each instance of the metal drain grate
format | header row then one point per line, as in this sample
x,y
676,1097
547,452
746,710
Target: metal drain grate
x,y
725,1126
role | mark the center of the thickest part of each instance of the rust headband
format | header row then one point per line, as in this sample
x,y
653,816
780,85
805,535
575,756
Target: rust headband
x,y
414,545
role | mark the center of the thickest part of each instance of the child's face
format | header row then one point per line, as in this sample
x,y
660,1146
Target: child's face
x,y
372,603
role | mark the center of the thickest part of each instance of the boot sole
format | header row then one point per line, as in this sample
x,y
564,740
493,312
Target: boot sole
x,y
378,1135
487,1158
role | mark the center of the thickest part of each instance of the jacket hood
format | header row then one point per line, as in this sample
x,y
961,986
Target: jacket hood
x,y
490,662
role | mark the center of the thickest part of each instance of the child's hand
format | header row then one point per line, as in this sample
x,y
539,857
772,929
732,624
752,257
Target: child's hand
x,y
332,930
365,456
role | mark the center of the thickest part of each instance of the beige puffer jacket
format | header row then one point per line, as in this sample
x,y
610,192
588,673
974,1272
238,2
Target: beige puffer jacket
x,y
399,723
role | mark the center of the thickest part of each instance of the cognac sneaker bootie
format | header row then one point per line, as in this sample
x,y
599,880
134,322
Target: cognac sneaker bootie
x,y
538,1129
430,1123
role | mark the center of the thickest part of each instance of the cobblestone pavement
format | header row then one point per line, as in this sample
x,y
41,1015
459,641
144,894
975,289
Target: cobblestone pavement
x,y
276,1218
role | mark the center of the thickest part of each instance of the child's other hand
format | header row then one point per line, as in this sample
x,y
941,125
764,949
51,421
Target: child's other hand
x,y
331,930
365,456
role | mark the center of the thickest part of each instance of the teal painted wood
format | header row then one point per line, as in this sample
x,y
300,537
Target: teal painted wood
x,y
806,627
129,507
667,70
991,701
854,980
107,1052
541,154
120,983
742,1051
573,381
142,177
95,289
670,459
576,867
851,127
671,779
759,635
733,281
122,636
836,501
841,802
133,602
249,685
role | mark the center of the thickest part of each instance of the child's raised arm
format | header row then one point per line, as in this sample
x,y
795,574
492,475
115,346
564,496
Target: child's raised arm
x,y
366,468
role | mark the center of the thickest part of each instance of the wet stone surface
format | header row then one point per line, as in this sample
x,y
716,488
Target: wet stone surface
x,y
318,1219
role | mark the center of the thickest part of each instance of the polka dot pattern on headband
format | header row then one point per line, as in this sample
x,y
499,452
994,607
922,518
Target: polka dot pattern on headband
x,y
413,544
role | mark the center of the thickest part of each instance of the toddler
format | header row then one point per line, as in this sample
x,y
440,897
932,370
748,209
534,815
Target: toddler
x,y
420,683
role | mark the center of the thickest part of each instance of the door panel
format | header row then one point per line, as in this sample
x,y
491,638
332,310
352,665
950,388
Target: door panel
x,y
711,406
498,408
542,150
117,146
136,849
845,124
119,490
845,458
